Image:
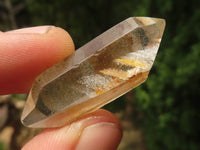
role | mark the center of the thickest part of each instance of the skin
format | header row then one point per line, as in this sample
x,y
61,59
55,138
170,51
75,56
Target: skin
x,y
27,52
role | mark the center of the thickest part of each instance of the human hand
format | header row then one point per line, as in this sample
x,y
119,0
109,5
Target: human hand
x,y
27,52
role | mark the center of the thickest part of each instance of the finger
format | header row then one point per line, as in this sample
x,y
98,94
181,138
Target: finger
x,y
98,130
25,53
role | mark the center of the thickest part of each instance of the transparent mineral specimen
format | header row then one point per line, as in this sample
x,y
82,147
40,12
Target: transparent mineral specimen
x,y
97,73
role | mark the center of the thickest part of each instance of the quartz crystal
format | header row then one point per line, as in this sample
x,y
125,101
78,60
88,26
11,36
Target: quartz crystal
x,y
97,73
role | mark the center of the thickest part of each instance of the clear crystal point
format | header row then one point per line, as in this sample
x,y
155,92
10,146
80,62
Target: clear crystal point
x,y
97,73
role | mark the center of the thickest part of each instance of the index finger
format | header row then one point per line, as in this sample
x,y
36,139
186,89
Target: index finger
x,y
25,53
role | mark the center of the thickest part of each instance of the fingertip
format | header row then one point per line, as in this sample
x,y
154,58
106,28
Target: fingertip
x,y
105,134
100,136
62,40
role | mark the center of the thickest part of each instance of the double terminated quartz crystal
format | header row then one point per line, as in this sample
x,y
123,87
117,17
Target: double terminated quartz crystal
x,y
97,73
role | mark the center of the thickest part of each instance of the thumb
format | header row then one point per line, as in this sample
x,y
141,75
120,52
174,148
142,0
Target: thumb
x,y
99,130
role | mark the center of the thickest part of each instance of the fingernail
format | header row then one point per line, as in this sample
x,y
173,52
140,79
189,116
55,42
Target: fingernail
x,y
38,29
106,136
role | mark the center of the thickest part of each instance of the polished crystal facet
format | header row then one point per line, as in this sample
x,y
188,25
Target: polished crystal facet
x,y
97,73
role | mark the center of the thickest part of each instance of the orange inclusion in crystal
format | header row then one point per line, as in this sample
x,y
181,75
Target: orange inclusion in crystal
x,y
112,84
131,62
99,91
115,73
